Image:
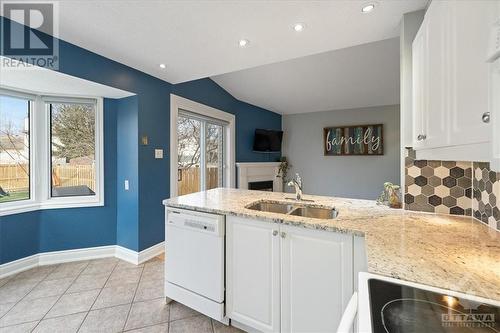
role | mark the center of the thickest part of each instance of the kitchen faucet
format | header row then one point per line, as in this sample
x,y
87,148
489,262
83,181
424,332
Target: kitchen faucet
x,y
297,183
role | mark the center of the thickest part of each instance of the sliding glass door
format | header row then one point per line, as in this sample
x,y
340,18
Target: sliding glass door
x,y
200,153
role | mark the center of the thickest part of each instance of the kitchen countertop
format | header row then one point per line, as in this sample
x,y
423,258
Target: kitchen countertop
x,y
451,252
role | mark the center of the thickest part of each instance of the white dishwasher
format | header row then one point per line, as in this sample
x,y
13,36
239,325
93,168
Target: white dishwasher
x,y
194,261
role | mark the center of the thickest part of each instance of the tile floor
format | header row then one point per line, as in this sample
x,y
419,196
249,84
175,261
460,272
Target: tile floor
x,y
103,295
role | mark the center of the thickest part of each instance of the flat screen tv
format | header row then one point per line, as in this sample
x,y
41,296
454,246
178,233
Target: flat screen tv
x,y
267,141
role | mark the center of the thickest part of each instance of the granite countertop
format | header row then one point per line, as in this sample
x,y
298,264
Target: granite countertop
x,y
451,252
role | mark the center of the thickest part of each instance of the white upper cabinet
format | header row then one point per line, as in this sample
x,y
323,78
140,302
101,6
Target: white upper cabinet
x,y
470,24
450,79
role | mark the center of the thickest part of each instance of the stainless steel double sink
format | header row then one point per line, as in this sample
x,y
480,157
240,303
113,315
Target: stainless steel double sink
x,y
295,209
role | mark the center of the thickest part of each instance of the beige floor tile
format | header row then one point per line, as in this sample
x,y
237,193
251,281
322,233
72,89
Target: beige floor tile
x,y
27,311
66,324
116,295
68,270
154,270
4,281
221,328
88,282
21,328
50,288
106,320
120,277
4,308
150,289
147,313
73,303
14,290
126,265
199,324
36,274
99,268
162,328
179,311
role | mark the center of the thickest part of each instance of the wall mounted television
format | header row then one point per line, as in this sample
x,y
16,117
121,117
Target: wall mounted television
x,y
267,141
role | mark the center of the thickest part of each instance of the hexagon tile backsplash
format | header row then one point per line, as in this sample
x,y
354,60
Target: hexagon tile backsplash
x,y
458,188
486,195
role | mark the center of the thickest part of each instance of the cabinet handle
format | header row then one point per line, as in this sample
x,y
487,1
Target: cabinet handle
x,y
486,117
275,232
421,137
283,234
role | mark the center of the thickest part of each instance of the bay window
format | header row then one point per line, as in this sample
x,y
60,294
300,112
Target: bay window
x,y
14,148
51,152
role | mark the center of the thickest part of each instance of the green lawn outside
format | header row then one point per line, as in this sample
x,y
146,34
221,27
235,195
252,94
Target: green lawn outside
x,y
15,196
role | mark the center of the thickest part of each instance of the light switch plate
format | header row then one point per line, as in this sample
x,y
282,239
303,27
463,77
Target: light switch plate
x,y
158,153
126,185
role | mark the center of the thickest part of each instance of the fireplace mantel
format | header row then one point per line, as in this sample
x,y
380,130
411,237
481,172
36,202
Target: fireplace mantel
x,y
257,172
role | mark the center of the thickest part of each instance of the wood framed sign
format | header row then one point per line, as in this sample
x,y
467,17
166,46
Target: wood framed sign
x,y
354,140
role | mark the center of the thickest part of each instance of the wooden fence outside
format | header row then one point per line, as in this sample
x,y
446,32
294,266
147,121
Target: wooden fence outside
x,y
13,178
189,179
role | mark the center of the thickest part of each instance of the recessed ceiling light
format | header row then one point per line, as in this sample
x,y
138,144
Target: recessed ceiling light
x,y
368,8
299,27
243,42
163,66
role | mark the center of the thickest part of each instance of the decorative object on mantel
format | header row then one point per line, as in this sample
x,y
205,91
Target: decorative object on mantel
x,y
283,169
353,140
390,196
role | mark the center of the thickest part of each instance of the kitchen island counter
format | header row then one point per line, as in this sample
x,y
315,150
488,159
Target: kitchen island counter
x,y
451,252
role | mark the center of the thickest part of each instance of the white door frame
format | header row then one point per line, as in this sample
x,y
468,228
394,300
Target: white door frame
x,y
176,103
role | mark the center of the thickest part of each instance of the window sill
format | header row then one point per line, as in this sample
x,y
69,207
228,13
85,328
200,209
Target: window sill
x,y
49,204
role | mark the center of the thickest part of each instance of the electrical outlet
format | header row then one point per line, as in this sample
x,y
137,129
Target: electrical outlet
x,y
158,153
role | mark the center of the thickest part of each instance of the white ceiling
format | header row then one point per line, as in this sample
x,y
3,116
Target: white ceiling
x,y
359,76
198,39
44,81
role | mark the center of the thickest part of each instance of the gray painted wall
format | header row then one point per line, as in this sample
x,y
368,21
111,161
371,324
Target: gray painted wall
x,y
345,176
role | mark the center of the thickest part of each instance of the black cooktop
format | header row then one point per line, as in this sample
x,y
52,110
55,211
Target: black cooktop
x,y
402,309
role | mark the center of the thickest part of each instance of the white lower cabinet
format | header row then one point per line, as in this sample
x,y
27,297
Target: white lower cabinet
x,y
285,278
253,273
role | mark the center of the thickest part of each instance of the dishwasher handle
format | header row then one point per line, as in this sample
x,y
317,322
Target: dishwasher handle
x,y
347,322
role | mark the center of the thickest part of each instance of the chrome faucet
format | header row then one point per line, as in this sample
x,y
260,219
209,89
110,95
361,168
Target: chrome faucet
x,y
297,183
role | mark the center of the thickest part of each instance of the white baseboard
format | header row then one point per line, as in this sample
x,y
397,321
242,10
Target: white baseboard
x,y
58,257
19,265
151,252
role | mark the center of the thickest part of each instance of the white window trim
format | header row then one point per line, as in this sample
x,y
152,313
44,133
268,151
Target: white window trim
x,y
176,103
40,173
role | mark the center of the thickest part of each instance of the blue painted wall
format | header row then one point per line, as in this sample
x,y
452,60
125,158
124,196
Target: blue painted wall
x,y
134,218
127,216
19,236
248,116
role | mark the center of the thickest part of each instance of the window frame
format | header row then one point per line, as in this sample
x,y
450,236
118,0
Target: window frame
x,y
40,156
30,203
177,104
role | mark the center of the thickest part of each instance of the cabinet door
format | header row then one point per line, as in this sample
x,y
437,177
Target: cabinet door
x,y
435,82
469,32
317,279
252,273
418,87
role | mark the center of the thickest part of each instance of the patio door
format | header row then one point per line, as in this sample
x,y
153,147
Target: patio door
x,y
200,152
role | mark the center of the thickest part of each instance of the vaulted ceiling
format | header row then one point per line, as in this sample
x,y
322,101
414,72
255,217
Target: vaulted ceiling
x,y
196,39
